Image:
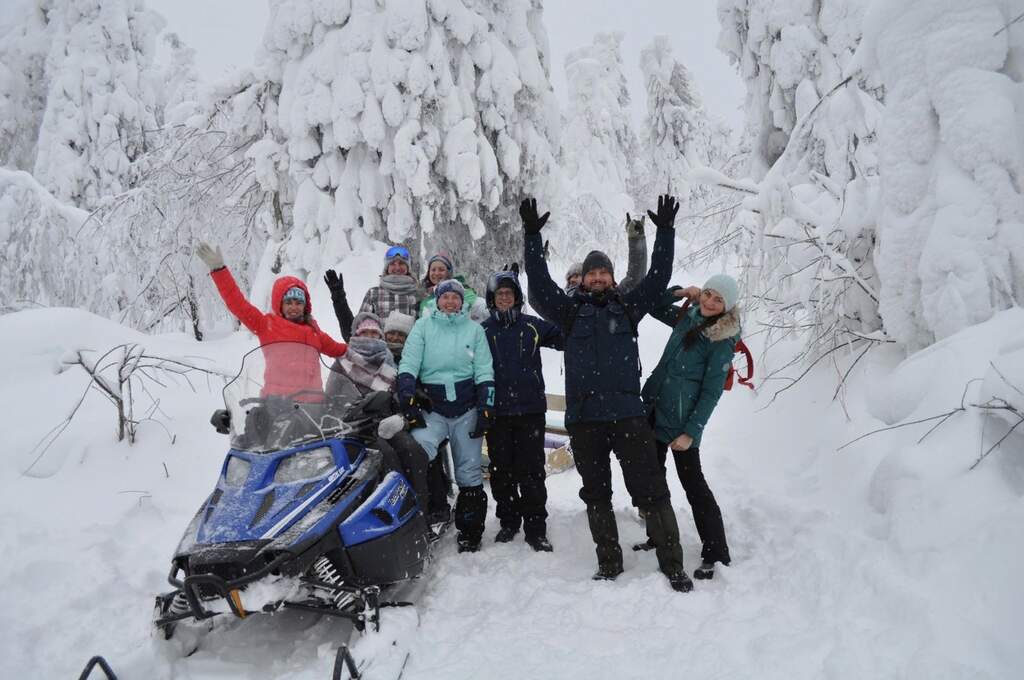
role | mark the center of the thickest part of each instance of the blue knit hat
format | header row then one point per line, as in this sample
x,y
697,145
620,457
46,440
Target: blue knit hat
x,y
726,286
450,286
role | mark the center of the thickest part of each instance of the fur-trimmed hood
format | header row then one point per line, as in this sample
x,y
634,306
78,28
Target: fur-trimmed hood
x,y
727,326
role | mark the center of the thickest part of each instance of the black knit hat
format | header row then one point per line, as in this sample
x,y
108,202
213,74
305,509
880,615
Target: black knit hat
x,y
595,259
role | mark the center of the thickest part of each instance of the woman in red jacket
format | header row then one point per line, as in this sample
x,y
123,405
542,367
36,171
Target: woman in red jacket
x,y
288,373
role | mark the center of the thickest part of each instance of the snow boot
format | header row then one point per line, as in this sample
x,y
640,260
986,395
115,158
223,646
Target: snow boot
x,y
605,533
606,573
468,545
680,582
505,535
470,513
663,532
645,546
705,572
540,543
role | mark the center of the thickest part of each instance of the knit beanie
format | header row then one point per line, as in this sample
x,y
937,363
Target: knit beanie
x,y
364,321
575,269
444,258
450,286
398,322
595,259
726,286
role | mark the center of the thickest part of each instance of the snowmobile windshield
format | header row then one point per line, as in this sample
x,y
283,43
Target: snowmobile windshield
x,y
277,400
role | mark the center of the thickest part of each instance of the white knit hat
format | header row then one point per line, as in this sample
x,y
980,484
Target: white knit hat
x,y
397,321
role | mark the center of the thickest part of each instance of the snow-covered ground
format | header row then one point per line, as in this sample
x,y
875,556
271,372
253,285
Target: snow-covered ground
x,y
888,559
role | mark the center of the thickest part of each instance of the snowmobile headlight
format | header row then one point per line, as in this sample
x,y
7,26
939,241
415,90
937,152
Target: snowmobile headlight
x,y
305,465
237,472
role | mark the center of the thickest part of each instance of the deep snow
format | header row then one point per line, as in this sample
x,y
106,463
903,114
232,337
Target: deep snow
x,y
886,559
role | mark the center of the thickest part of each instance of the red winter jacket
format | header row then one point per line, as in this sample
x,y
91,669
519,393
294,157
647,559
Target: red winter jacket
x,y
287,370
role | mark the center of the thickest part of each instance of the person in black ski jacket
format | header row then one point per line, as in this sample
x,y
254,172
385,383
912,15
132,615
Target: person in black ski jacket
x,y
515,442
604,411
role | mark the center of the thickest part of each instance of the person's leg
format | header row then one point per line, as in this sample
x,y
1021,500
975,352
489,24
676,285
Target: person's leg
x,y
633,443
530,475
429,438
414,464
471,505
591,449
501,448
706,513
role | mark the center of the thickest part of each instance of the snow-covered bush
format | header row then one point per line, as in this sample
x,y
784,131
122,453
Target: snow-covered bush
x,y
23,50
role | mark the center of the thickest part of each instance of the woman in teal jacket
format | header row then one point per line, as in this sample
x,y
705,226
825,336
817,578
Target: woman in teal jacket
x,y
681,394
447,355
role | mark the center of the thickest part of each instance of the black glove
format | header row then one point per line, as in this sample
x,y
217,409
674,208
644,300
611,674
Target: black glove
x,y
667,209
634,228
221,420
413,414
423,400
484,422
335,283
532,224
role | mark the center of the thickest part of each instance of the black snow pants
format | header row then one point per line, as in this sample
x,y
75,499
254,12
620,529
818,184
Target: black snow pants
x,y
706,514
404,453
515,445
632,441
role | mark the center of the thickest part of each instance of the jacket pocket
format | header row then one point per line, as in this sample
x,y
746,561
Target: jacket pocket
x,y
583,324
618,320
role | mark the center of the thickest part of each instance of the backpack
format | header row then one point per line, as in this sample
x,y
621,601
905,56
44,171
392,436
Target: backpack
x,y
740,348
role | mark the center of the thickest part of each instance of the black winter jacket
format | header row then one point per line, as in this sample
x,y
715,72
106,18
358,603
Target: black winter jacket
x,y
602,362
515,348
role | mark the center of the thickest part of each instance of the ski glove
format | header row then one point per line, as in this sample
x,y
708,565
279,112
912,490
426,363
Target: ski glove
x,y
210,255
335,283
413,414
221,420
484,422
667,209
532,224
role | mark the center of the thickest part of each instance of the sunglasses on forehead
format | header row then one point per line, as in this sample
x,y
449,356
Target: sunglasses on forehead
x,y
397,251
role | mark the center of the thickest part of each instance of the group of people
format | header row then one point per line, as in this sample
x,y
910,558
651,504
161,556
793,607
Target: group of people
x,y
465,368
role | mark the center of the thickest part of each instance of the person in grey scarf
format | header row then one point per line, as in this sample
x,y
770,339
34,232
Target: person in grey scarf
x,y
398,289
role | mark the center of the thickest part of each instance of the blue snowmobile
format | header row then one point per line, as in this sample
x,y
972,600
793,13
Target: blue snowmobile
x,y
305,513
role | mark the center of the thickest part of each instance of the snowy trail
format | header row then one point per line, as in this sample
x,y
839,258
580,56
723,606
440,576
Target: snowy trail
x,y
845,565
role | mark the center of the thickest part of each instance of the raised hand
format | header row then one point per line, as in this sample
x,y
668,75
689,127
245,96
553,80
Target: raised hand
x,y
335,283
668,206
210,255
634,227
532,224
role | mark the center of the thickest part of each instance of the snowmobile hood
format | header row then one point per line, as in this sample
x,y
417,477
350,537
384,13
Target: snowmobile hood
x,y
281,287
260,495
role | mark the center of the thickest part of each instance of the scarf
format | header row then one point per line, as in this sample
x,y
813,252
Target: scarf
x,y
368,362
402,284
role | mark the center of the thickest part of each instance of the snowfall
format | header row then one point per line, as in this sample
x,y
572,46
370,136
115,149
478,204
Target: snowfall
x,y
887,558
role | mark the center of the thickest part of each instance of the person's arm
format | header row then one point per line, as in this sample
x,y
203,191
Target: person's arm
x,y
636,241
330,346
711,387
547,298
646,295
336,284
550,335
483,370
367,305
250,315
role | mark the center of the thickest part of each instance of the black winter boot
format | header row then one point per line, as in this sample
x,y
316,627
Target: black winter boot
x,y
505,535
605,533
438,487
470,513
705,572
680,582
663,532
540,543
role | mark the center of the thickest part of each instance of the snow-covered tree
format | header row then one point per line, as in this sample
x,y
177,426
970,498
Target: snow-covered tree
x,y
599,155
810,218
101,101
405,120
23,50
951,235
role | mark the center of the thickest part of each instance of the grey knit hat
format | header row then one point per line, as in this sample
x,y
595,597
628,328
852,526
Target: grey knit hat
x,y
576,269
595,259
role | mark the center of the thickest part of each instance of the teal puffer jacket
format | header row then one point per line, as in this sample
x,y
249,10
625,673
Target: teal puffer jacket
x,y
686,384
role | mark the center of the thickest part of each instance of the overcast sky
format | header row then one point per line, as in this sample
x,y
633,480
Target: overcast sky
x,y
225,33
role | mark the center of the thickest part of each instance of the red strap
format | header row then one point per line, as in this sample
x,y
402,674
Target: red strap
x,y
749,377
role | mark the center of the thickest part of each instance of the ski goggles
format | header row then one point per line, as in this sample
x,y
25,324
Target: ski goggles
x,y
294,293
397,251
